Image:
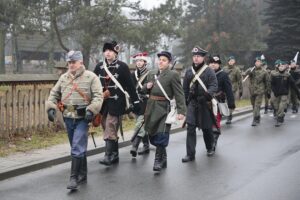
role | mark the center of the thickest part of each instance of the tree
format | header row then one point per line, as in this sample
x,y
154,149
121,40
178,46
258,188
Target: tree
x,y
283,20
220,27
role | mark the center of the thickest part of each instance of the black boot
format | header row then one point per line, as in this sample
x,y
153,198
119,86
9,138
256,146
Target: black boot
x,y
216,136
145,149
278,123
75,166
108,153
266,110
158,159
164,158
258,119
115,153
135,146
229,118
82,177
254,122
188,158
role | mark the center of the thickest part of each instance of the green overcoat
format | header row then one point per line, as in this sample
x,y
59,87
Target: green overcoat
x,y
157,111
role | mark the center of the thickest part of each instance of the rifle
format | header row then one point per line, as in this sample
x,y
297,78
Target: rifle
x,y
248,74
173,64
137,131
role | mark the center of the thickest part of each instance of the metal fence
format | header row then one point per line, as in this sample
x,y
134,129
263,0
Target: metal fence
x,y
22,103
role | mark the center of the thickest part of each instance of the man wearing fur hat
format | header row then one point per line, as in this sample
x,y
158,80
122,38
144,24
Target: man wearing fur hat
x,y
78,95
118,88
199,84
139,77
235,76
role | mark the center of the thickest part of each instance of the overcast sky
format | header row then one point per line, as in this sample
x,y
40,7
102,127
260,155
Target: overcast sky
x,y
150,3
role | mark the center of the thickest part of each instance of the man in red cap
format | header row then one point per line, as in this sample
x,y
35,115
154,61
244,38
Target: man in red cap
x,y
139,77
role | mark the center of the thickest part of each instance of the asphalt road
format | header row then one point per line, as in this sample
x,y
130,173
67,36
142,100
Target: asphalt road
x,y
250,163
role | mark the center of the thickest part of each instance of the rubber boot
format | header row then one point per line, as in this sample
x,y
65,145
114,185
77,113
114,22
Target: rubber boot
x,y
115,153
135,146
229,118
108,153
145,149
75,166
82,176
158,159
164,158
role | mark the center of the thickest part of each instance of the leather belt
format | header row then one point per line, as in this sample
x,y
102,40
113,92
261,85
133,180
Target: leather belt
x,y
157,98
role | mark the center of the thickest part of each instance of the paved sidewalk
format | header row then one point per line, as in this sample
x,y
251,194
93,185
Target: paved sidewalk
x,y
30,158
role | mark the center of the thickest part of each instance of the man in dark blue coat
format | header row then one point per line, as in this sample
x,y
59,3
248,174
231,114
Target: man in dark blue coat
x,y
199,109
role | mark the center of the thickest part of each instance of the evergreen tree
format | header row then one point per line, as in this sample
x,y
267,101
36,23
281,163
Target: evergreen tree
x,y
283,20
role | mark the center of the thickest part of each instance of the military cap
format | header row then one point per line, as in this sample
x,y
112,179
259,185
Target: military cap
x,y
258,58
215,59
141,56
199,51
74,56
166,54
231,58
113,46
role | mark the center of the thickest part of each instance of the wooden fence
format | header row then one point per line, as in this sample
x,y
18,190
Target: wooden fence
x,y
22,103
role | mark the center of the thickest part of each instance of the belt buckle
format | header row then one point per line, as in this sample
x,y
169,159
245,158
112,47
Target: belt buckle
x,y
70,108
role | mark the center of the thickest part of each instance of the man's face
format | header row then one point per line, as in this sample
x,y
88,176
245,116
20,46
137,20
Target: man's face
x,y
163,63
258,63
214,66
198,59
74,65
281,67
293,65
231,62
109,54
140,63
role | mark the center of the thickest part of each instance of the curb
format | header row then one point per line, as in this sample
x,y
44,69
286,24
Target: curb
x,y
64,159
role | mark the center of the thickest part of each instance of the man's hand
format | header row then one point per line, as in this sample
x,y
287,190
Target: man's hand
x,y
51,114
89,116
180,117
149,85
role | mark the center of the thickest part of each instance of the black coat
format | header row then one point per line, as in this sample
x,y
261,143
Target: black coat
x,y
225,89
141,94
116,106
199,112
281,82
295,73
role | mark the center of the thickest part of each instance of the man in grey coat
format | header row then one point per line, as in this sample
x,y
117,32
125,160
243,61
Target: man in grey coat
x,y
199,105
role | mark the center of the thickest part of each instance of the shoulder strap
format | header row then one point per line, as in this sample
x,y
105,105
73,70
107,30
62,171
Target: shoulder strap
x,y
197,77
141,79
117,83
161,88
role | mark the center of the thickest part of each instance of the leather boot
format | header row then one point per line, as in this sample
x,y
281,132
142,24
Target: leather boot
x,y
164,158
75,166
158,159
82,177
216,134
108,153
254,122
278,123
188,158
258,119
229,118
115,152
266,110
145,149
135,146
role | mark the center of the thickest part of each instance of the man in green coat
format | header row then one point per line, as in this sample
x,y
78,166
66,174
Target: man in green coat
x,y
259,85
158,106
235,77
